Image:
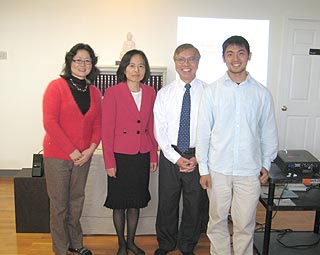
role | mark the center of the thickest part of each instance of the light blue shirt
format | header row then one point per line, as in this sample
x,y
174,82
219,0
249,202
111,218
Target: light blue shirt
x,y
237,132
167,109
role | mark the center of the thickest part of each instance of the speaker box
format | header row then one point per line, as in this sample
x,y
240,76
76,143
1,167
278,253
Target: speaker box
x,y
37,165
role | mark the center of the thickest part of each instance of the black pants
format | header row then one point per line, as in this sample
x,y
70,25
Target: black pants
x,y
171,184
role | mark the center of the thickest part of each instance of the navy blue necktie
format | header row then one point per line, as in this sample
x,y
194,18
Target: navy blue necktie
x,y
184,127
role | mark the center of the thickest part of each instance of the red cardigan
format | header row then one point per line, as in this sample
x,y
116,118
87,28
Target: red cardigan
x,y
125,129
66,127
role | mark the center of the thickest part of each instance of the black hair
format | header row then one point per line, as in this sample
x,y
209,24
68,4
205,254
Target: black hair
x,y
66,71
237,40
125,61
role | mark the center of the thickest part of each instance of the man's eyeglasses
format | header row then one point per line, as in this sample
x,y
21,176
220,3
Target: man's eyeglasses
x,y
80,61
191,60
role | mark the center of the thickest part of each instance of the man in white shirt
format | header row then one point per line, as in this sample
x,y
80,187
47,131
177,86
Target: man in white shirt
x,y
178,169
236,143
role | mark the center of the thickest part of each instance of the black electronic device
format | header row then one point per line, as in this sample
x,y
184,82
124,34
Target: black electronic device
x,y
298,163
37,165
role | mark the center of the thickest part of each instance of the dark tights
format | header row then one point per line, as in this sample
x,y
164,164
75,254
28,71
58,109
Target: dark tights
x,y
132,223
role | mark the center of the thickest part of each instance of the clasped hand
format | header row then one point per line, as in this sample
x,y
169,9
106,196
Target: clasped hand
x,y
78,158
187,165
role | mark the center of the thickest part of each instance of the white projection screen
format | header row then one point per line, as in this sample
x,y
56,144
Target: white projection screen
x,y
208,35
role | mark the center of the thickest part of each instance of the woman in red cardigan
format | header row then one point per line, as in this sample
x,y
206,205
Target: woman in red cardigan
x,y
72,121
129,146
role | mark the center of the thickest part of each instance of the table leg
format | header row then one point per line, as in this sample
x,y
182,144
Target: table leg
x,y
316,222
267,231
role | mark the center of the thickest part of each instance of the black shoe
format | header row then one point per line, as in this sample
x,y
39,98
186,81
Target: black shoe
x,y
160,251
137,251
82,251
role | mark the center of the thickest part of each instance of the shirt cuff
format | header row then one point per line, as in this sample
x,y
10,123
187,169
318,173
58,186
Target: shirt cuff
x,y
266,164
203,169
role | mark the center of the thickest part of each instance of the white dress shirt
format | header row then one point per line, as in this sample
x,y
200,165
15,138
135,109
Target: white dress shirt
x,y
167,110
237,132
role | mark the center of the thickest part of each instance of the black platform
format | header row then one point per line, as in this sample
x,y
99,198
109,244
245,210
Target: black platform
x,y
290,239
265,242
31,203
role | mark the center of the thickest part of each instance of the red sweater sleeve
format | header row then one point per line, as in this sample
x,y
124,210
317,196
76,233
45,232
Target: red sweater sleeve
x,y
96,134
51,115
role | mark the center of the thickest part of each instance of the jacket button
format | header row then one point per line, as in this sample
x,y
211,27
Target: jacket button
x,y
138,121
138,132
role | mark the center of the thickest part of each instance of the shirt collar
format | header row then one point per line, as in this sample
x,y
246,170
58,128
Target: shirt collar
x,y
181,83
228,81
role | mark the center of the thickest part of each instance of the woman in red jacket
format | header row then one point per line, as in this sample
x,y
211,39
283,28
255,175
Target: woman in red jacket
x,y
129,146
72,121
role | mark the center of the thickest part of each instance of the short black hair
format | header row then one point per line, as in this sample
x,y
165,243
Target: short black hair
x,y
125,61
237,40
66,72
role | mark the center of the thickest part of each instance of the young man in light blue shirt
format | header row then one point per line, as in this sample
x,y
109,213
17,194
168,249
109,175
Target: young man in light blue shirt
x,y
236,143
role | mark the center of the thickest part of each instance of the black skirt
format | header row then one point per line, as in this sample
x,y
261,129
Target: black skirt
x,y
130,188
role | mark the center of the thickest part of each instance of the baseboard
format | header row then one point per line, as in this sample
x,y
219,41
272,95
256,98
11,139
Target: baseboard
x,y
8,172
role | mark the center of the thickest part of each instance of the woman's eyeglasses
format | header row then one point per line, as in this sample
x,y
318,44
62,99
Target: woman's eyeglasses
x,y
80,61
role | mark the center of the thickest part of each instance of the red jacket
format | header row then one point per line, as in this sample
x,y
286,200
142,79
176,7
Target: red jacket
x,y
125,129
66,127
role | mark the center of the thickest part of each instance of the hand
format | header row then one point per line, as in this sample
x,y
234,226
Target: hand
x,y
86,155
186,165
153,167
79,158
111,172
194,161
75,157
205,181
264,175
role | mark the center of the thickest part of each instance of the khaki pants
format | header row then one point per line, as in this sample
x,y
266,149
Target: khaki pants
x,y
241,193
65,184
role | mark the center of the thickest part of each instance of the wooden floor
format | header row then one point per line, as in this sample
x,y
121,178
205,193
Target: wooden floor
x,y
40,244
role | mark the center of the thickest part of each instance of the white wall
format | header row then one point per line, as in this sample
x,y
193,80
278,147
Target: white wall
x,y
37,33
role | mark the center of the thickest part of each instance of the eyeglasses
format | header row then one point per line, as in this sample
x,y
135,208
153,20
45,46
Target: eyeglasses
x,y
191,60
80,61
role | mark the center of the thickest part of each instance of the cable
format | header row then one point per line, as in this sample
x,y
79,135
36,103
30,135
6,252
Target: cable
x,y
262,225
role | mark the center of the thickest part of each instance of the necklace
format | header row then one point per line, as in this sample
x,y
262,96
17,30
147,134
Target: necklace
x,y
78,88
